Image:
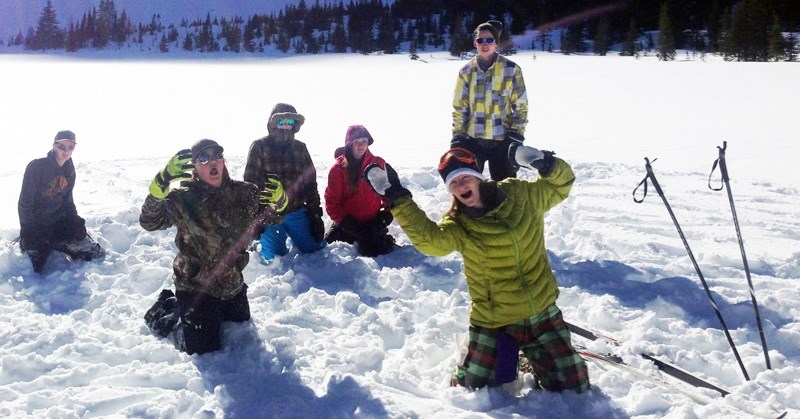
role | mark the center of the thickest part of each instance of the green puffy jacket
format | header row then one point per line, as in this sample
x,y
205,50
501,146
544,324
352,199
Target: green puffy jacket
x,y
505,262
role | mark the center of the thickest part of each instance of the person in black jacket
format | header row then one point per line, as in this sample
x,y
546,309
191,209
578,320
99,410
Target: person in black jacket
x,y
47,216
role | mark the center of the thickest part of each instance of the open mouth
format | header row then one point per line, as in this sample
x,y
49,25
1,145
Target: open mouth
x,y
466,195
213,171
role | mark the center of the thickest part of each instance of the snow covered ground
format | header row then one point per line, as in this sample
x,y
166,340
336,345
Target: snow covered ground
x,y
338,335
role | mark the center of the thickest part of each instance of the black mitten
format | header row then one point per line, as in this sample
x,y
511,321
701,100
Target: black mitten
x,y
385,217
316,224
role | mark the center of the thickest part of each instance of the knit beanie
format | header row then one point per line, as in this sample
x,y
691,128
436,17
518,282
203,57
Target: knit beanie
x,y
64,136
458,161
205,144
493,26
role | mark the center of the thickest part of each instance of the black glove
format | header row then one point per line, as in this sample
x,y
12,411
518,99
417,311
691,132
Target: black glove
x,y
315,223
351,228
531,158
384,217
385,182
458,140
514,137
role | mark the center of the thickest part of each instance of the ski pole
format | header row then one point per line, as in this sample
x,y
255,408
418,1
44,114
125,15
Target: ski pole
x,y
650,175
723,169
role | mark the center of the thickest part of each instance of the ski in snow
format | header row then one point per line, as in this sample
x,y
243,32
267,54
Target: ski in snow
x,y
665,367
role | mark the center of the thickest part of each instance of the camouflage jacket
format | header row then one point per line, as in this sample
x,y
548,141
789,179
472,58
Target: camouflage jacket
x,y
290,161
46,196
215,226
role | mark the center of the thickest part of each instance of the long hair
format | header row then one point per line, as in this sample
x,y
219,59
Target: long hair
x,y
353,168
488,191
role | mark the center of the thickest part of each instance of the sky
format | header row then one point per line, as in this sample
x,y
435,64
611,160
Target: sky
x,y
334,334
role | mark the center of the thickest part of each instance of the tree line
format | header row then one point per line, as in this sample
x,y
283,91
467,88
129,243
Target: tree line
x,y
740,30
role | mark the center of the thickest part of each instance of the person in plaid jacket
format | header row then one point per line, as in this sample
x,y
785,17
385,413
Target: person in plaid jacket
x,y
280,154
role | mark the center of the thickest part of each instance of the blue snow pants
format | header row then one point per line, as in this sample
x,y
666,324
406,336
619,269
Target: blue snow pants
x,y
295,225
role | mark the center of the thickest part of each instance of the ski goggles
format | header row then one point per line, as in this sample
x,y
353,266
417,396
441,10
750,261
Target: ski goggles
x,y
482,40
206,158
64,147
460,154
287,121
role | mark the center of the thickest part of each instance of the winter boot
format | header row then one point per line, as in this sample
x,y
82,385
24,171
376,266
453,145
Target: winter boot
x,y
163,316
37,260
85,249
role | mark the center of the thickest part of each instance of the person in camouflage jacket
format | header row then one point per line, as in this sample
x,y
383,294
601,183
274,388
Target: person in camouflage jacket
x,y
216,218
498,227
280,154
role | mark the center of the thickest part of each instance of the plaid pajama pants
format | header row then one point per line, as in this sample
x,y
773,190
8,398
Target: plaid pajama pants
x,y
544,339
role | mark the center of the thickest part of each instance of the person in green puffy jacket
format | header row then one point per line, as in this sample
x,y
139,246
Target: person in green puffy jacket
x,y
498,227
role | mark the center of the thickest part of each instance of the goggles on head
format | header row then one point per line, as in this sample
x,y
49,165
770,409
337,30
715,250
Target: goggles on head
x,y
460,154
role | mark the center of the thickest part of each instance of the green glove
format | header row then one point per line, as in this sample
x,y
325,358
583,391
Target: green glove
x,y
273,195
179,168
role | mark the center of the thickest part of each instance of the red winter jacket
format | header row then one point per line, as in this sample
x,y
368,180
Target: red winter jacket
x,y
362,204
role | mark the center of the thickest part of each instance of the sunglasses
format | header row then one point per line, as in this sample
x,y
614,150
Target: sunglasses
x,y
459,154
482,40
289,122
208,158
64,147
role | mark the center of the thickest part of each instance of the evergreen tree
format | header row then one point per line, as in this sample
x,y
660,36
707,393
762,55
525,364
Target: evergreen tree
x,y
387,41
122,28
791,47
233,36
188,43
713,26
339,39
601,37
72,43
724,43
460,39
30,39
666,40
105,21
630,45
572,40
412,51
749,34
163,44
777,45
205,40
48,34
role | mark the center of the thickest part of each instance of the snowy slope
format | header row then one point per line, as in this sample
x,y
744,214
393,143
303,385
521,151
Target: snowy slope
x,y
338,335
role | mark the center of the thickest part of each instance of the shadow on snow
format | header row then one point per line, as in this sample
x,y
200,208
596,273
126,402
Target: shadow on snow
x,y
613,278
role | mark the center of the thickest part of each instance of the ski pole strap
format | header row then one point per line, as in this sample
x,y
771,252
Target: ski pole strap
x,y
644,191
652,178
723,168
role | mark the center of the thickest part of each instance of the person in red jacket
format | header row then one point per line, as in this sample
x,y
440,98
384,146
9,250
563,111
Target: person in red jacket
x,y
359,215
